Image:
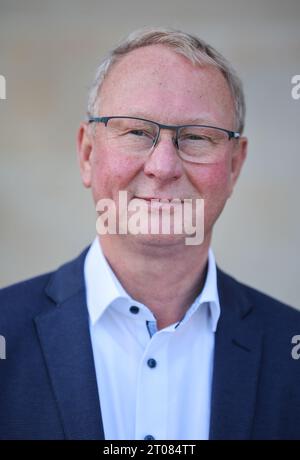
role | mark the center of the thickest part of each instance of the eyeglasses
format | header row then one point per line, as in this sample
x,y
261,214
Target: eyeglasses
x,y
137,136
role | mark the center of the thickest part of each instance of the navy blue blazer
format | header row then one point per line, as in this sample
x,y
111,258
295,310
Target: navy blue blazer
x,y
48,386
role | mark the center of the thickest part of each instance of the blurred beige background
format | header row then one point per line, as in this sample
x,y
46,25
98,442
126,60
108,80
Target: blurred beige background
x,y
48,54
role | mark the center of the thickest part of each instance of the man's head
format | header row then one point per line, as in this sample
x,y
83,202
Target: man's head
x,y
171,78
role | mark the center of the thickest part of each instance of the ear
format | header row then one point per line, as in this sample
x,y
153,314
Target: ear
x,y
84,151
237,160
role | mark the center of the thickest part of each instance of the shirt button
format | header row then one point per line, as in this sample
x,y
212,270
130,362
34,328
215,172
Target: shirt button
x,y
151,363
149,437
134,309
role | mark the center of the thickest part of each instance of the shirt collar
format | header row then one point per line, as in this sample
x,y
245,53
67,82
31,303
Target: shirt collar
x,y
103,289
209,294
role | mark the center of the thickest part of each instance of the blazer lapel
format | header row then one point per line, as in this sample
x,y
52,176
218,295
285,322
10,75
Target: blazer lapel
x,y
64,337
236,363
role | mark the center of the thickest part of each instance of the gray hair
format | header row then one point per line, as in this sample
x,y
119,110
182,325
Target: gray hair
x,y
190,46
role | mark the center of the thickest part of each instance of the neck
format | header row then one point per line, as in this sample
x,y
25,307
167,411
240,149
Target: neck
x,y
165,278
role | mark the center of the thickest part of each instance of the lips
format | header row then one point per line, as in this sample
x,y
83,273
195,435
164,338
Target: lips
x,y
157,198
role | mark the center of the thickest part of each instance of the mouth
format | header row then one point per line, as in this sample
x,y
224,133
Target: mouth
x,y
158,198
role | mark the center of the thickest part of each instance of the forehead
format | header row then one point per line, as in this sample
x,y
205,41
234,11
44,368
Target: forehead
x,y
157,83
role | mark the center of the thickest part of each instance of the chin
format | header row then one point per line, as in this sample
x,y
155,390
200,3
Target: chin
x,y
158,241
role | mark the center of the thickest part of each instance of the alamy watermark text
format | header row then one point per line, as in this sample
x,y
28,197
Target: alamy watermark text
x,y
2,87
2,347
296,88
143,216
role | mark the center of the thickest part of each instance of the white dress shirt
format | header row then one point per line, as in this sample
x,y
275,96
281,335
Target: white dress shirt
x,y
152,384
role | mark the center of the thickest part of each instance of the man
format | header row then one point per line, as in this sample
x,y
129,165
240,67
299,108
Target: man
x,y
142,337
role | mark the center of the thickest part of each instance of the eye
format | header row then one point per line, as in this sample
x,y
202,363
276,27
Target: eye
x,y
195,137
138,132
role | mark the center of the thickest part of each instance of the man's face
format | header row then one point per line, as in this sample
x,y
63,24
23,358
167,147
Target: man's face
x,y
157,84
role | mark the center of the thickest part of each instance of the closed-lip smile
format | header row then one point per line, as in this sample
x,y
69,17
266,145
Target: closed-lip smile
x,y
149,198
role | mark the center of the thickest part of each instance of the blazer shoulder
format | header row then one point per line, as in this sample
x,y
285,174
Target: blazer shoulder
x,y
31,296
28,292
265,305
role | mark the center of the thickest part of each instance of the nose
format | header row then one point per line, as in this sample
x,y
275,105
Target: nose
x,y
163,163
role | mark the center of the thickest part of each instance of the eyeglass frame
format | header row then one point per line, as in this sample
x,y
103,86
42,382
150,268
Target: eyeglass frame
x,y
105,120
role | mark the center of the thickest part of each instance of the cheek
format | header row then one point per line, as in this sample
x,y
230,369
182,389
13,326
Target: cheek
x,y
213,184
218,181
211,180
111,173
